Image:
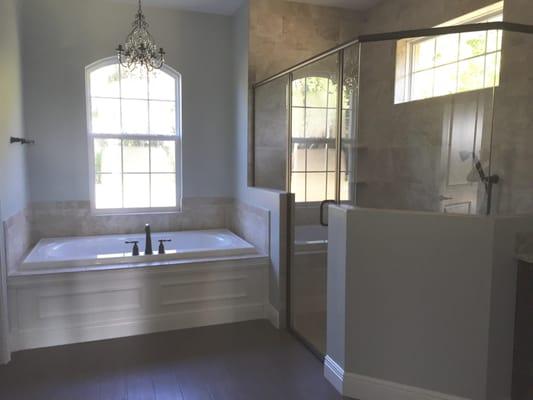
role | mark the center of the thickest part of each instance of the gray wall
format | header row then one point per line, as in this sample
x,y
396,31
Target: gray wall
x,y
429,299
13,191
71,34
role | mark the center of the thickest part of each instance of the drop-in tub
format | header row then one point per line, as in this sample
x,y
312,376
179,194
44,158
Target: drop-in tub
x,y
90,251
78,289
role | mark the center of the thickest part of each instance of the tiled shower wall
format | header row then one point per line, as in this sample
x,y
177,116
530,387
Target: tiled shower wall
x,y
284,33
74,218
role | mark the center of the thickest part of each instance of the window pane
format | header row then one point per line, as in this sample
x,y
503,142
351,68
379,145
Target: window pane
x,y
163,189
107,156
315,123
332,183
105,82
162,86
447,49
134,116
298,92
493,41
298,157
105,116
422,85
423,54
332,94
298,122
162,118
445,80
492,70
163,157
136,190
108,191
316,157
136,156
298,187
472,44
134,84
316,187
332,123
317,92
471,74
332,157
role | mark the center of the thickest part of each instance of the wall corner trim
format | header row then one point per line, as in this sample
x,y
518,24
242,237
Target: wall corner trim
x,y
367,388
334,373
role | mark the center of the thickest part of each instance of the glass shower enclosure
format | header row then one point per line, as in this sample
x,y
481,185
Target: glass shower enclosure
x,y
403,121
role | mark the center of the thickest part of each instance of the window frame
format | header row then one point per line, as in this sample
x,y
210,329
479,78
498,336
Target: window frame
x,y
404,80
177,138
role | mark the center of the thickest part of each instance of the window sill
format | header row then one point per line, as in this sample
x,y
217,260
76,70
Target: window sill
x,y
133,213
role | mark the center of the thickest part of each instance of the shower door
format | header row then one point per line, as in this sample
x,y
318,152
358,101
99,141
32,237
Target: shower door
x,y
321,167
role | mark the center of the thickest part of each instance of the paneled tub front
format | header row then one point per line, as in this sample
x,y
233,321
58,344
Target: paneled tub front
x,y
74,290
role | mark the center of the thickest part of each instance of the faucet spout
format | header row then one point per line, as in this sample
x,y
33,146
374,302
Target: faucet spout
x,y
148,248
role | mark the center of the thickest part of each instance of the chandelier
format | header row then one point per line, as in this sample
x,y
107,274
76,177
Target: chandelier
x,y
140,47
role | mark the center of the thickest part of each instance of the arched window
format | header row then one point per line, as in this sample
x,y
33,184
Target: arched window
x,y
134,130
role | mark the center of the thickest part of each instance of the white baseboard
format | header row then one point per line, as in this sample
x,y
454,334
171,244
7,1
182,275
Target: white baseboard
x,y
366,388
272,315
334,374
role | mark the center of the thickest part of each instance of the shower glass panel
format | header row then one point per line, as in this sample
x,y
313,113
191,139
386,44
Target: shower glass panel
x,y
425,122
271,132
350,148
512,154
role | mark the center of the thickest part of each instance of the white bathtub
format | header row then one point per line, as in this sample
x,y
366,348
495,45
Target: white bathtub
x,y
79,289
310,237
111,249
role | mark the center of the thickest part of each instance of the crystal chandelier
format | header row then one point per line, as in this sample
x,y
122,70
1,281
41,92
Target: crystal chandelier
x,y
140,47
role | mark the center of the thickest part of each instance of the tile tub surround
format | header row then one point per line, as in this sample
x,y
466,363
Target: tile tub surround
x,y
17,230
251,223
74,218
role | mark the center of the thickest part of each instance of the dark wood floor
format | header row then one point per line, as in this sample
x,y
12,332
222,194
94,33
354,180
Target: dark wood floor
x,y
251,361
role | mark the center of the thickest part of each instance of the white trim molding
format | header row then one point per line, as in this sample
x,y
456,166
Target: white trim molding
x,y
367,388
334,374
272,314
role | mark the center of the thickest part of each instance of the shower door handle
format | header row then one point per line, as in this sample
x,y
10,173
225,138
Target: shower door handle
x,y
322,205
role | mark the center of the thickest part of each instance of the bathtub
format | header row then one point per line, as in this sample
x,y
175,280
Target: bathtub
x,y
112,250
79,289
310,237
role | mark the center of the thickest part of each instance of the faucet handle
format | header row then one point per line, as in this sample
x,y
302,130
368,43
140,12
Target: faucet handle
x,y
162,245
135,251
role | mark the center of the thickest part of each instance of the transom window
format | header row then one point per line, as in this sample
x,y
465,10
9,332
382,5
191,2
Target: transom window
x,y
448,64
134,137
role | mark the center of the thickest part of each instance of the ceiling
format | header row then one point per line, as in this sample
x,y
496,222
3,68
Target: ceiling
x,y
228,7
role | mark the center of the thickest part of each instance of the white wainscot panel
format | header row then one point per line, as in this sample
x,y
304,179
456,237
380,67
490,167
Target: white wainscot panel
x,y
84,306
